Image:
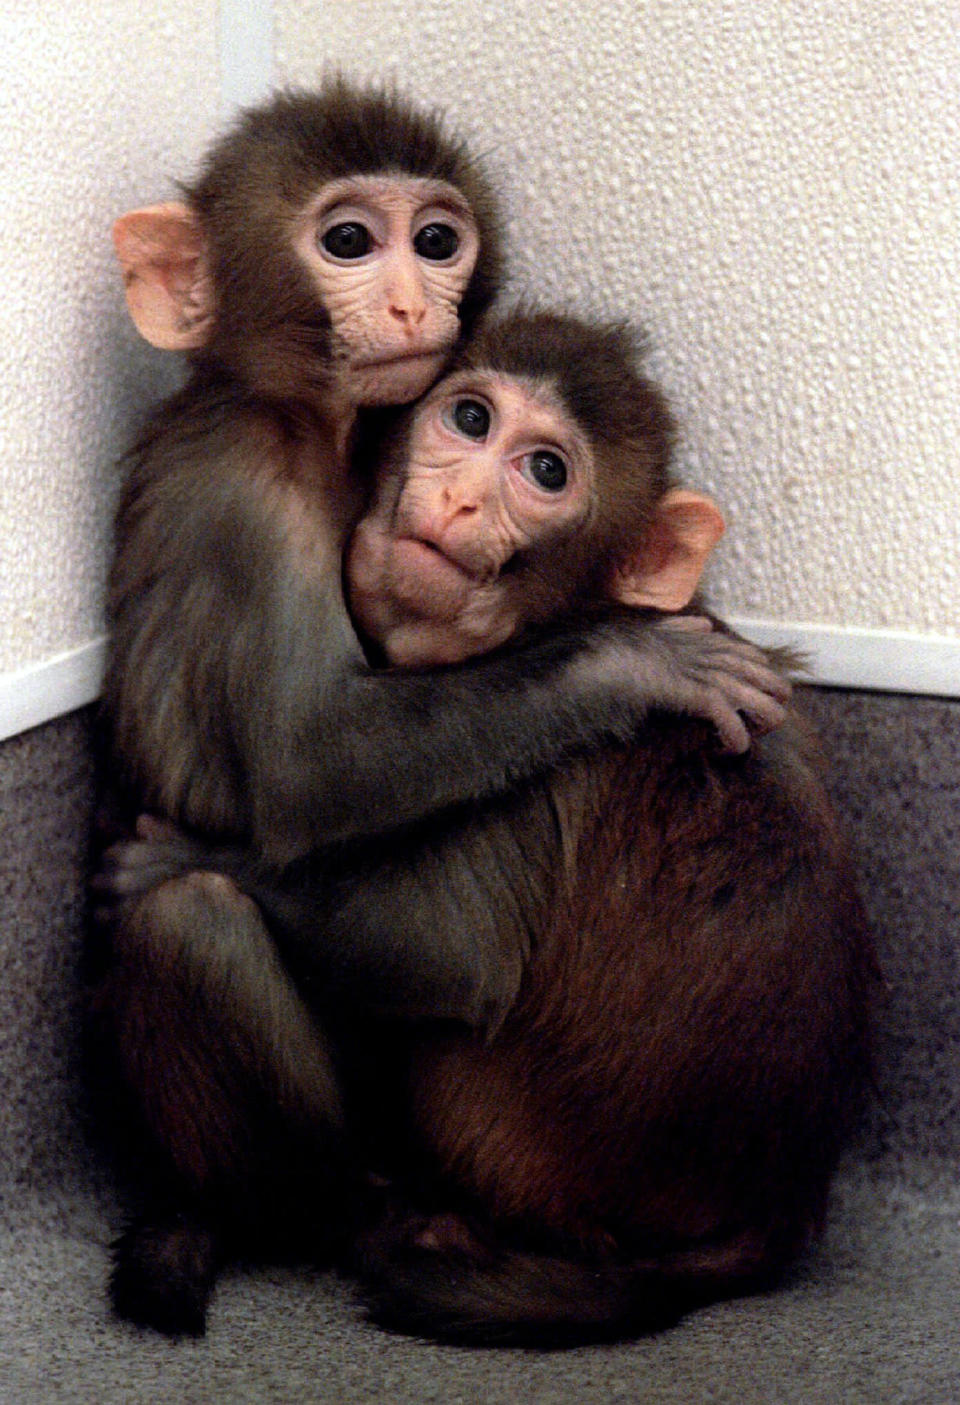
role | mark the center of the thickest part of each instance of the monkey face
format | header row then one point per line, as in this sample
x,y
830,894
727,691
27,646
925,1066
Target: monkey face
x,y
460,547
390,256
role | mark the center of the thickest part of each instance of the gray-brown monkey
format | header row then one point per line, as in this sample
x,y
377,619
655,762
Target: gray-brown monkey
x,y
654,1119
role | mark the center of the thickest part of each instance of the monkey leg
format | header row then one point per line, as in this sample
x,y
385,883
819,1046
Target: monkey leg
x,y
234,1083
406,927
209,1029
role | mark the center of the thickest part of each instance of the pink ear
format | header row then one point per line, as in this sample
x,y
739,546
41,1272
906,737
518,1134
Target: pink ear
x,y
666,569
169,291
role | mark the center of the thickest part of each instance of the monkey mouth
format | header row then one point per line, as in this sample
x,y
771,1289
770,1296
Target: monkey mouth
x,y
420,551
429,581
400,358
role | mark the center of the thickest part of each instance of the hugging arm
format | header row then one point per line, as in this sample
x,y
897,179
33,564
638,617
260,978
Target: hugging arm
x,y
242,702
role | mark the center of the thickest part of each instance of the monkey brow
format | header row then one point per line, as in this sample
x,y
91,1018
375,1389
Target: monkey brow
x,y
435,190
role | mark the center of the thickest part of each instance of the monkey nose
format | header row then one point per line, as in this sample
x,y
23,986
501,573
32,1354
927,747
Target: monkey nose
x,y
458,502
408,311
406,302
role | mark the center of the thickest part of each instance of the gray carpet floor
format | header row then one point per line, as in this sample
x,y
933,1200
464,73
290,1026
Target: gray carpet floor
x,y
871,1314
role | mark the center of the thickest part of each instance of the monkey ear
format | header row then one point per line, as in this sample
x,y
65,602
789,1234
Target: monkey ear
x,y
169,289
666,570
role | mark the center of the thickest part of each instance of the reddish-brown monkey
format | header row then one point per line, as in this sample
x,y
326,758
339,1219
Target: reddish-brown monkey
x,y
324,261
654,1120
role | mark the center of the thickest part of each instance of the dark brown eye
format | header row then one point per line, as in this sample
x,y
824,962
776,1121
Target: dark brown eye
x,y
347,241
547,470
436,241
471,418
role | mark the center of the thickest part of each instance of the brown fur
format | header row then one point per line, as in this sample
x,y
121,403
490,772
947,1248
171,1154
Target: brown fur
x,y
662,1109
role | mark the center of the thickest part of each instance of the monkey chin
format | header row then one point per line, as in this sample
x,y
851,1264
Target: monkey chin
x,y
396,380
425,610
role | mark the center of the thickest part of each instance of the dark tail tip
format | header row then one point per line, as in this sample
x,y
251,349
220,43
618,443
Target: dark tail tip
x,y
512,1298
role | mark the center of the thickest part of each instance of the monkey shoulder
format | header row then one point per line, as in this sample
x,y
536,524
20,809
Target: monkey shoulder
x,y
225,571
214,446
222,488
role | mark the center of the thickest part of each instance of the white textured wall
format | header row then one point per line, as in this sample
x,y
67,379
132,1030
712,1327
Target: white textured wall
x,y
773,189
100,106
771,186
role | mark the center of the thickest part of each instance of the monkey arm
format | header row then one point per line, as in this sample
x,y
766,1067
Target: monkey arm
x,y
337,751
396,746
242,703
413,929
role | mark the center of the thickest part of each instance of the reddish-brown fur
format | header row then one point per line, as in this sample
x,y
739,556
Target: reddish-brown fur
x,y
663,1106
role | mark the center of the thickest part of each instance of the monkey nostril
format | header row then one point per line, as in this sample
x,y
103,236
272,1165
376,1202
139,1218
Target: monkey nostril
x,y
411,318
408,309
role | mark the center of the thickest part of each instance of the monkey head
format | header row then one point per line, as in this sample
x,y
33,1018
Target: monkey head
x,y
328,254
532,479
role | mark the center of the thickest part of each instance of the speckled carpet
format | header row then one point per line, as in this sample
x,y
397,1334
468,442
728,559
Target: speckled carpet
x,y
871,1315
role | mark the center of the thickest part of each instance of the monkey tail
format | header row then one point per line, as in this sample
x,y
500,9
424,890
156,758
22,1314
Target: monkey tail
x,y
481,1296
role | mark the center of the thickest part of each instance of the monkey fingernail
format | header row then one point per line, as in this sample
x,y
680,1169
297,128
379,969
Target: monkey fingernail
x,y
689,624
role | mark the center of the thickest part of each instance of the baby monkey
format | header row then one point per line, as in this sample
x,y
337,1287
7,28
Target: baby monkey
x,y
649,1117
530,483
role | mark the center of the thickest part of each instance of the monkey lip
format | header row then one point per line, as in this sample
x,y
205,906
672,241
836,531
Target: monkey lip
x,y
427,579
400,358
426,555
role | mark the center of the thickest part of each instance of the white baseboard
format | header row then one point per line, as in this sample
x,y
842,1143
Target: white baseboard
x,y
51,688
885,660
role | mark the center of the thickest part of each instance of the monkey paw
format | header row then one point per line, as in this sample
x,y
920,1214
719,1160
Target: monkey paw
x,y
163,1276
157,852
680,663
727,679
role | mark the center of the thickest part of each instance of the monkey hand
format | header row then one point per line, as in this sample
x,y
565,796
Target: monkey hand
x,y
679,663
157,852
728,679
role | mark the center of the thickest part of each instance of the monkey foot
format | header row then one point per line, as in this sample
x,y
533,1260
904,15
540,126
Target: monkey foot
x,y
403,1232
163,1275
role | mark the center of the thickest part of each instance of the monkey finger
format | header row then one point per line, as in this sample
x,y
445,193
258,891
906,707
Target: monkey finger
x,y
756,673
731,728
131,867
153,827
688,624
762,709
730,645
119,884
737,656
126,854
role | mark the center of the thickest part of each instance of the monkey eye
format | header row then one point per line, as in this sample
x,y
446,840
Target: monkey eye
x,y
347,241
436,241
469,417
546,469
